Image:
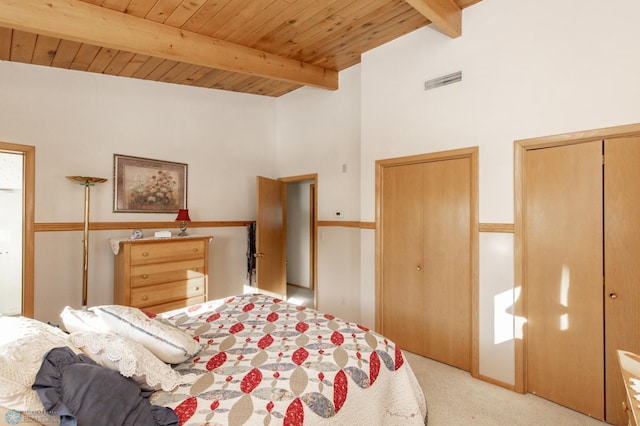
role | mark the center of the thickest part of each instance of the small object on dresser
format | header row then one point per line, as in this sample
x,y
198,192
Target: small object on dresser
x,y
136,234
183,218
162,234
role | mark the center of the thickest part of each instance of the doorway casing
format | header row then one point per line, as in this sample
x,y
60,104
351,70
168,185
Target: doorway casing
x,y
28,245
463,153
313,179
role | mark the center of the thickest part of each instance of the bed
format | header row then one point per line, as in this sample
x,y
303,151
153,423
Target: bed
x,y
247,359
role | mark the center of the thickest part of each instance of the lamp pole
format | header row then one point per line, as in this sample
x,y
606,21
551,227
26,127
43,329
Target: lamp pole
x,y
87,182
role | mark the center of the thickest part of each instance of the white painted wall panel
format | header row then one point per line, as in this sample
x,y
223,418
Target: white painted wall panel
x,y
77,121
319,132
497,334
338,273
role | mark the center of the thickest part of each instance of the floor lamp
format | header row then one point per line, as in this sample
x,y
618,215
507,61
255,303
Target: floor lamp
x,y
87,182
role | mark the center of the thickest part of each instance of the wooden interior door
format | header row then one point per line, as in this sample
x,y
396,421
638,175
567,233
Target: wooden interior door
x,y
622,269
564,275
426,267
271,275
404,289
447,261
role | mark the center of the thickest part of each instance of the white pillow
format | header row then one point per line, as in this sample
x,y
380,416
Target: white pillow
x,y
79,320
163,339
23,343
131,359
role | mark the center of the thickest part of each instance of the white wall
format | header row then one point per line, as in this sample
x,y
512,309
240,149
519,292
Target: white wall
x,y
77,121
530,68
497,299
319,132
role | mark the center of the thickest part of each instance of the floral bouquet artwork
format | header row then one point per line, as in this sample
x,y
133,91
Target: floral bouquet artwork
x,y
148,186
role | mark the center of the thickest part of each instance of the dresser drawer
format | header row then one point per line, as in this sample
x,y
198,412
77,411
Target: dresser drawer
x,y
177,304
162,274
162,293
170,251
156,273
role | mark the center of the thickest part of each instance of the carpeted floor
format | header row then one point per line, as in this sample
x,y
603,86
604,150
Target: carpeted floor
x,y
454,398
299,296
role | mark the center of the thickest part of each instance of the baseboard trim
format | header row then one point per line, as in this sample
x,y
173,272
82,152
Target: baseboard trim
x,y
497,382
506,228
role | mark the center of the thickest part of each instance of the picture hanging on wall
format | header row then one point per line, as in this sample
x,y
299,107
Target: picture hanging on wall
x,y
142,185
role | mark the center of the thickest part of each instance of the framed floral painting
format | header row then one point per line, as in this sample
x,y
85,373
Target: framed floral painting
x,y
141,185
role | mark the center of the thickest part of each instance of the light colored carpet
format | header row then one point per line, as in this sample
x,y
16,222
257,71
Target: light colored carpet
x,y
300,296
454,398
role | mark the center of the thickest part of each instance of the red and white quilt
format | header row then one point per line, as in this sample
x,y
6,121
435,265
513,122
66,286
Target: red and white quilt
x,y
268,362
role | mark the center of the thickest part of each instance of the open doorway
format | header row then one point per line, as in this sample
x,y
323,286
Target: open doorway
x,y
287,255
11,233
17,164
300,231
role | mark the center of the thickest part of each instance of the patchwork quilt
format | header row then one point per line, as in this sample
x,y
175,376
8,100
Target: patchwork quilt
x,y
264,361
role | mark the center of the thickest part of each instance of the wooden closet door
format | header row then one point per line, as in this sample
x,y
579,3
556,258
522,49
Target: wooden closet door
x,y
426,291
447,260
564,275
622,264
403,292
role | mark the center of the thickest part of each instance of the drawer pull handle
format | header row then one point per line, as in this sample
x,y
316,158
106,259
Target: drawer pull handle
x,y
197,288
144,298
196,269
145,276
195,250
145,254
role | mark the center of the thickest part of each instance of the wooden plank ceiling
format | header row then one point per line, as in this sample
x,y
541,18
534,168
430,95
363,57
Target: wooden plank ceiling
x,y
264,47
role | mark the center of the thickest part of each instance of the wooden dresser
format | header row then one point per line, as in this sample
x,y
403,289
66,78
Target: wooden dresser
x,y
630,369
159,275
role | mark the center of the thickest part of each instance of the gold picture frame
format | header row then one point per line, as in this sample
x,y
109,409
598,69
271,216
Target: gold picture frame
x,y
143,185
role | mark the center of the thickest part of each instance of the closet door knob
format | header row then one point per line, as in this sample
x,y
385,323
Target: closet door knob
x,y
613,295
418,268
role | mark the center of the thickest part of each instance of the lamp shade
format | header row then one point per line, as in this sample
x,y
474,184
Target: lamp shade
x,y
183,215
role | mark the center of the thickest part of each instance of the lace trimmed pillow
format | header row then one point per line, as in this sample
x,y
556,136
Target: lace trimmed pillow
x,y
164,340
131,359
79,320
23,343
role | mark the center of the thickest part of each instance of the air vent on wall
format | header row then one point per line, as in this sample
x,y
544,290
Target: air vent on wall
x,y
443,81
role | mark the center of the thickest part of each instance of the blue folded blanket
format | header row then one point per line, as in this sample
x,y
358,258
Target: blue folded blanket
x,y
82,392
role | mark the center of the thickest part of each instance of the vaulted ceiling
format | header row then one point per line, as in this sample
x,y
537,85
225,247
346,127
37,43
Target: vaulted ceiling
x,y
265,47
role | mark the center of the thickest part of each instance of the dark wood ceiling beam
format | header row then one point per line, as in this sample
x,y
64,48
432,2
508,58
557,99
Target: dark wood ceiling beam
x,y
446,15
86,23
